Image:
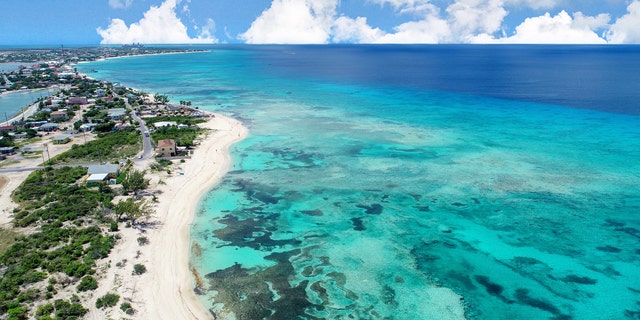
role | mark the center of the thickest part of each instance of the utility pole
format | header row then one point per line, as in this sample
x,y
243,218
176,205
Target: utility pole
x,y
46,146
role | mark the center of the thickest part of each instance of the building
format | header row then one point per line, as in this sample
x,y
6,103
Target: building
x,y
96,178
86,127
48,127
8,150
61,139
166,148
7,128
161,124
77,100
111,170
57,116
116,113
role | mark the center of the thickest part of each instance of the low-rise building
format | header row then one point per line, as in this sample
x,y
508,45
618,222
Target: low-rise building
x,y
48,127
166,148
111,170
59,116
116,113
77,100
61,139
161,124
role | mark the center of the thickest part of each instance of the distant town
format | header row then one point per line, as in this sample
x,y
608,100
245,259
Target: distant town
x,y
80,103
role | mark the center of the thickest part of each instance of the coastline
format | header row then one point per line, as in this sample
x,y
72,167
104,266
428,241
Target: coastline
x,y
166,291
27,110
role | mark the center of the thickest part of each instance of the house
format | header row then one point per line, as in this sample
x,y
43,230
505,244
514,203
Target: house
x,y
86,127
111,170
48,127
161,124
61,139
116,113
101,92
7,128
58,116
166,148
8,150
96,178
77,100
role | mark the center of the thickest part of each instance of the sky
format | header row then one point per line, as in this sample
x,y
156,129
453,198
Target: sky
x,y
92,22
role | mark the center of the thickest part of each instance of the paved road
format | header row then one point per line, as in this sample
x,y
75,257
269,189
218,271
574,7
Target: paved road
x,y
19,169
147,150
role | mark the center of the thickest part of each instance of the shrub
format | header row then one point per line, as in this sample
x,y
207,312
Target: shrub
x,y
127,308
113,226
139,269
108,300
67,310
143,240
45,310
87,283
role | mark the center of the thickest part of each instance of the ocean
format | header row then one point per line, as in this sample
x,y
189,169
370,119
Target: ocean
x,y
401,182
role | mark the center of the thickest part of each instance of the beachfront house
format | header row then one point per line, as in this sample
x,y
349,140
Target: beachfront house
x,y
161,124
166,148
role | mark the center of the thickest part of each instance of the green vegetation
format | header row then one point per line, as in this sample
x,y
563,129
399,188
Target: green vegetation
x,y
87,283
7,238
143,241
178,119
126,307
109,146
108,300
139,269
65,238
133,210
183,137
134,181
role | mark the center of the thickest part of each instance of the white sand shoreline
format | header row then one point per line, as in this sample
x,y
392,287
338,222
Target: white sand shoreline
x,y
167,290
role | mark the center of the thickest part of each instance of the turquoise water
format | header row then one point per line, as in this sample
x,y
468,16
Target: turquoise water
x,y
351,200
13,103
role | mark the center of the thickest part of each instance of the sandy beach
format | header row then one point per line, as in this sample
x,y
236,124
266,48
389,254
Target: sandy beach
x,y
166,290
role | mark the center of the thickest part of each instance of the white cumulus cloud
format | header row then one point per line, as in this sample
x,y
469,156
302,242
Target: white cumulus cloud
x,y
356,30
558,29
627,28
120,4
534,4
293,21
471,17
417,7
159,25
457,21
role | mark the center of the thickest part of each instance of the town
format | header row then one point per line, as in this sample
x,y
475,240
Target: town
x,y
82,107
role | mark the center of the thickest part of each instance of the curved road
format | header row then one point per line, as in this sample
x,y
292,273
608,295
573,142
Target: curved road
x,y
147,148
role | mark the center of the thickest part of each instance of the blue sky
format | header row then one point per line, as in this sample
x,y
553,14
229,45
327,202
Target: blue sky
x,y
74,22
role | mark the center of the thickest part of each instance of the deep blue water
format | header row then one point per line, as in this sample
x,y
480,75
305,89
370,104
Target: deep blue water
x,y
402,182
